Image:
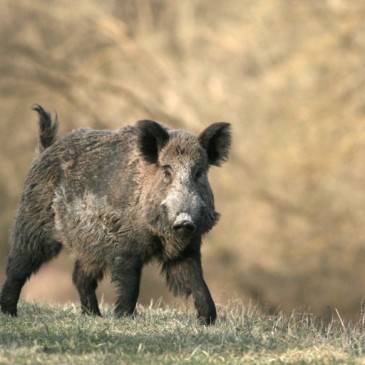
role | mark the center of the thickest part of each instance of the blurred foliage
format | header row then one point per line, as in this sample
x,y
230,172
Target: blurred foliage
x,y
289,76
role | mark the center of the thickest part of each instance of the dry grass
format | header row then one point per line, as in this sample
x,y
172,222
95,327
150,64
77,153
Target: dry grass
x,y
159,335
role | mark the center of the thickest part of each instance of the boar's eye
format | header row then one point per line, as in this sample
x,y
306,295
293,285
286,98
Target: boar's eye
x,y
167,173
198,174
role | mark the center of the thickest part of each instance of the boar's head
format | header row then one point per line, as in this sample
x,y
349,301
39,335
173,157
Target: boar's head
x,y
179,200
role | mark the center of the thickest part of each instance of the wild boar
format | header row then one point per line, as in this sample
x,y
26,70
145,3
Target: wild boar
x,y
117,200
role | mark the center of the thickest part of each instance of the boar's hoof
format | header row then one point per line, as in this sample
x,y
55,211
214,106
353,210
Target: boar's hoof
x,y
10,310
207,321
123,314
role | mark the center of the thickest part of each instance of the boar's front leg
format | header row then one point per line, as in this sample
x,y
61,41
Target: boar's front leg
x,y
126,273
184,277
86,283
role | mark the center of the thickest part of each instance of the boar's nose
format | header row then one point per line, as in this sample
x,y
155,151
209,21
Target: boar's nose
x,y
184,223
184,226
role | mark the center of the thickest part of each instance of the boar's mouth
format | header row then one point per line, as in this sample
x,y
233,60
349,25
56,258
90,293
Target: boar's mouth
x,y
175,237
175,244
183,232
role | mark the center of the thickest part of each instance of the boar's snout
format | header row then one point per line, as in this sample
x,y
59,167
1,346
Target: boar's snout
x,y
184,224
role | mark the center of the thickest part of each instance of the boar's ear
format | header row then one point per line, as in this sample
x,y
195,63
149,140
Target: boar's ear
x,y
216,140
152,137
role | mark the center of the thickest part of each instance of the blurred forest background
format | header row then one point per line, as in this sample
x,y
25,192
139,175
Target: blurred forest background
x,y
289,76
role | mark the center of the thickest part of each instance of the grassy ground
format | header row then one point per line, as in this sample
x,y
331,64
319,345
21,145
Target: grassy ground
x,y
60,335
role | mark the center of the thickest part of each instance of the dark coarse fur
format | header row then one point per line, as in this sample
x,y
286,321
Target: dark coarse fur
x,y
118,199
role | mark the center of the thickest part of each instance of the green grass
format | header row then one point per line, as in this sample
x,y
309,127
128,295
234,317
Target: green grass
x,y
158,335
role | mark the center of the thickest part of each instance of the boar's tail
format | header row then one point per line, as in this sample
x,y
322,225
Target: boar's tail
x,y
47,128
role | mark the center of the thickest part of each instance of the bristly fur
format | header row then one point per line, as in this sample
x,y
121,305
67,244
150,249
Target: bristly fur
x,y
116,199
47,128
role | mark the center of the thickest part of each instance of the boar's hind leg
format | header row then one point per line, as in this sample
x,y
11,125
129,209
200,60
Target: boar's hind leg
x,y
22,263
86,283
184,277
126,273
